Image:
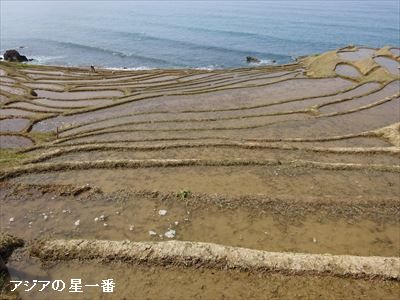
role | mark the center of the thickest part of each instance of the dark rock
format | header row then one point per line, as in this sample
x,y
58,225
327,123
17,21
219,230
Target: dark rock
x,y
8,243
251,59
14,56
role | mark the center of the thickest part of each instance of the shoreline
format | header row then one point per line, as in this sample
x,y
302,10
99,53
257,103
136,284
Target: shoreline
x,y
144,68
262,63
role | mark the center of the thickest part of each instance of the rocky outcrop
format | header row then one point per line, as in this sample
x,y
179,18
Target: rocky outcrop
x,y
8,243
252,59
14,56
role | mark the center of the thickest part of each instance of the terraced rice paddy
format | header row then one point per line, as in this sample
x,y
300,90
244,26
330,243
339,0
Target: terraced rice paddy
x,y
297,158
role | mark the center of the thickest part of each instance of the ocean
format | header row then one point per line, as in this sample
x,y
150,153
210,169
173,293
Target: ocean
x,y
191,34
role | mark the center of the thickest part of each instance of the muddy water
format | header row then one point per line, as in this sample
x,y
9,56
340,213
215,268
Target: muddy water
x,y
348,227
221,153
274,181
139,282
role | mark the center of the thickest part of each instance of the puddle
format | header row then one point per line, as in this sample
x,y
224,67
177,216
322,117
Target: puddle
x,y
314,226
273,181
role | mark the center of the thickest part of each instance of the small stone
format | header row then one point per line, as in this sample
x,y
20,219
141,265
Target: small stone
x,y
117,213
30,223
64,211
170,233
152,233
102,218
105,224
96,219
45,217
11,220
314,240
162,212
131,227
176,223
77,222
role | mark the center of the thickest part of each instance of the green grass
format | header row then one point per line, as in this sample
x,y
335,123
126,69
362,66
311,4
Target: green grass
x,y
41,137
10,158
183,194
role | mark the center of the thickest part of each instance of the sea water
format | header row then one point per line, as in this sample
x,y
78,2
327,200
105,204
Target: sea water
x,y
191,34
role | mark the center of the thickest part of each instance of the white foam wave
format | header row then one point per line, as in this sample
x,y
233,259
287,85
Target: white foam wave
x,y
141,68
45,59
207,68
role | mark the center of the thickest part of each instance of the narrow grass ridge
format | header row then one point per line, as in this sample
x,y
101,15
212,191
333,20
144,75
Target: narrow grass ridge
x,y
164,163
197,254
